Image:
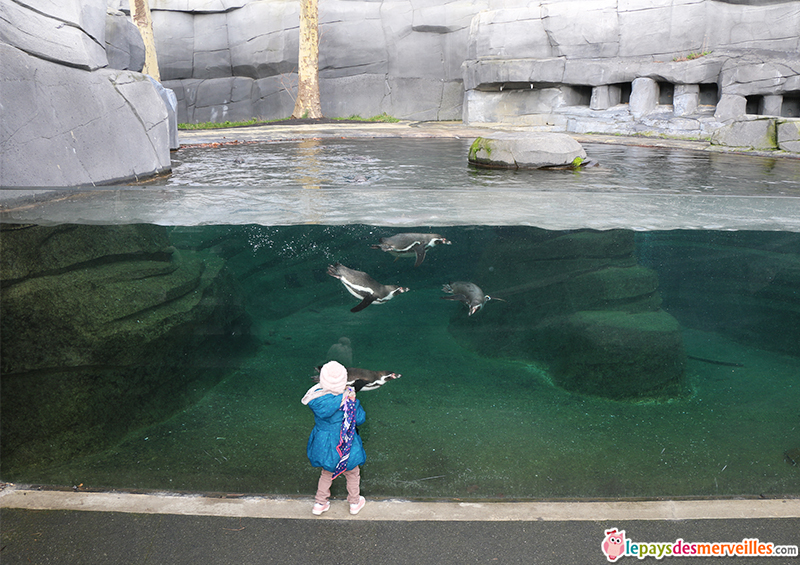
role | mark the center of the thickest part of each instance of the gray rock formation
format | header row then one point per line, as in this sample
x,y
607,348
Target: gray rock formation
x,y
683,68
238,60
526,151
571,65
71,33
104,328
171,104
644,96
583,308
760,273
70,87
568,65
594,342
124,45
789,135
754,134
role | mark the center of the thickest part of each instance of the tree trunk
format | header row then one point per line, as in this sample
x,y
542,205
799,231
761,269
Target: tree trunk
x,y
140,14
307,104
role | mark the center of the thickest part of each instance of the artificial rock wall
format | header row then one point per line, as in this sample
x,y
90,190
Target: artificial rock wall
x,y
75,108
70,80
234,59
681,67
574,65
584,308
103,329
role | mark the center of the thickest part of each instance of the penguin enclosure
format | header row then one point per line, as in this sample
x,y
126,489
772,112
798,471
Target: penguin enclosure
x,y
642,338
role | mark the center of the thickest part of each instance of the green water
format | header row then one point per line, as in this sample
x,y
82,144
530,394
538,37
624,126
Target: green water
x,y
482,421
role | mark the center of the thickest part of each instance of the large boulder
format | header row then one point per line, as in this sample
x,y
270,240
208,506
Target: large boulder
x,y
70,32
579,305
753,133
789,135
64,108
105,328
620,355
124,43
739,284
644,96
526,151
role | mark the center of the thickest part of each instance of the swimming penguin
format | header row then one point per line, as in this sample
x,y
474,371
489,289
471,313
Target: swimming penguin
x,y
364,379
468,293
408,243
363,286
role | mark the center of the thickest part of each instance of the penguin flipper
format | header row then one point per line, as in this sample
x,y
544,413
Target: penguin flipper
x,y
420,249
460,297
364,303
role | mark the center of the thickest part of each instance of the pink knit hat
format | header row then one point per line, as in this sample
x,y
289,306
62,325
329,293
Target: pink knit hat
x,y
333,377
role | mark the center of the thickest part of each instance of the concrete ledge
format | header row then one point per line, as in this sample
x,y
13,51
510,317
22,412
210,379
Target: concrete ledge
x,y
395,510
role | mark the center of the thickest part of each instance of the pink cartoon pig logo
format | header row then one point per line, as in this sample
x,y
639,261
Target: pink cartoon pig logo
x,y
614,544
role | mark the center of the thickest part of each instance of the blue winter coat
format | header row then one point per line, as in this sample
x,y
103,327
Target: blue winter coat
x,y
324,438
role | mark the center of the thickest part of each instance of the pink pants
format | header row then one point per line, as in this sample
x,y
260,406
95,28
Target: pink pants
x,y
353,486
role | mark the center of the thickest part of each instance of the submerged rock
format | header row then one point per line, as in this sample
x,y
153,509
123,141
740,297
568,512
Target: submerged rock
x,y
738,284
526,151
620,355
581,305
105,328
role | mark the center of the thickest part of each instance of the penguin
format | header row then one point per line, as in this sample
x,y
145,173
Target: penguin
x,y
468,293
363,286
364,379
408,243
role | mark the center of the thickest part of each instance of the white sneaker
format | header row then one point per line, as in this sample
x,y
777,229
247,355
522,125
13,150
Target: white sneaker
x,y
320,508
356,508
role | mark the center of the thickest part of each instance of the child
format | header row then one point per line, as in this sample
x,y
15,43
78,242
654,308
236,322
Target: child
x,y
334,443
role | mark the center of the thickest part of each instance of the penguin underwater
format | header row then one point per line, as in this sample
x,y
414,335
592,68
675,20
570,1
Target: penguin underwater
x,y
364,379
363,286
408,243
468,293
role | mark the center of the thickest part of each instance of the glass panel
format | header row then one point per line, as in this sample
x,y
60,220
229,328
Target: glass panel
x,y
172,354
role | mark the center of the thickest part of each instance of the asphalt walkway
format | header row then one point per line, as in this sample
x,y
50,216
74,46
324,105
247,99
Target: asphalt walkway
x,y
291,131
47,526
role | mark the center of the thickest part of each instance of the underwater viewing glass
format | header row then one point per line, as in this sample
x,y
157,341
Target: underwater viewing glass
x,y
642,338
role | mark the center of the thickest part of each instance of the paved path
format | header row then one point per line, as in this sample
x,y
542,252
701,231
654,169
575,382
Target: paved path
x,y
41,526
420,130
